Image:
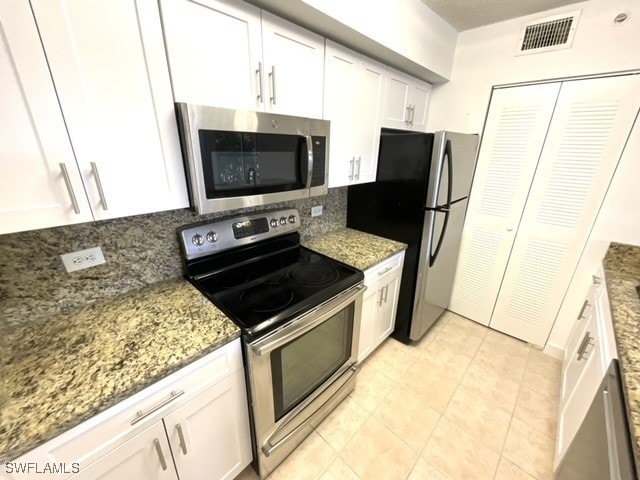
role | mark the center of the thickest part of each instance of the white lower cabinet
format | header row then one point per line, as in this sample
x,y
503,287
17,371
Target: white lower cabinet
x,y
379,304
587,356
191,425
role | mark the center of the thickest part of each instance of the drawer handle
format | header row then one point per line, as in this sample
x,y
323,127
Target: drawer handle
x,y
586,341
582,310
183,444
386,270
163,462
140,415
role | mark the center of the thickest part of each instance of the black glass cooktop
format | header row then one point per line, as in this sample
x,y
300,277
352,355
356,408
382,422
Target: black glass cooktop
x,y
278,281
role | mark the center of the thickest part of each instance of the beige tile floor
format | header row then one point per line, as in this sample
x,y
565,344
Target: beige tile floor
x,y
466,402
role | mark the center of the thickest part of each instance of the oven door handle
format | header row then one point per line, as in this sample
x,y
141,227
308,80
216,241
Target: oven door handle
x,y
306,322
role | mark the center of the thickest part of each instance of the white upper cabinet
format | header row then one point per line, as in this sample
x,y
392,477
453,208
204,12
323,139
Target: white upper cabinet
x,y
230,54
405,103
353,94
109,69
293,68
215,52
40,179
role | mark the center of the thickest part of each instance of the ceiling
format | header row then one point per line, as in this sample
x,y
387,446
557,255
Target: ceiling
x,y
466,14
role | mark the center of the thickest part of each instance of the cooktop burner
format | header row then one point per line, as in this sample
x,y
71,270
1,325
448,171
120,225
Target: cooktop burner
x,y
262,279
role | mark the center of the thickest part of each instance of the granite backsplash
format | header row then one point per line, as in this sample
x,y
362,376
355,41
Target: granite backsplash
x,y
139,251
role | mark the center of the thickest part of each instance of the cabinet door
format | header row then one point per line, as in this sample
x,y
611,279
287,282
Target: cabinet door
x,y
396,112
146,456
513,136
365,127
294,63
419,102
34,144
210,433
341,73
387,312
588,132
215,52
368,322
115,94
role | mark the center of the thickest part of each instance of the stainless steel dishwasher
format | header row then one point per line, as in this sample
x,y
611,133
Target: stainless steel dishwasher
x,y
601,448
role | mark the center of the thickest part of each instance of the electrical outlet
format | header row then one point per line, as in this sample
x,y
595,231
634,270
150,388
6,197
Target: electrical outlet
x,y
81,259
316,211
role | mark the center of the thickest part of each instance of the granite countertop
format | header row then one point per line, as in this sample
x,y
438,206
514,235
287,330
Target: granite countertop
x,y
60,371
622,273
353,247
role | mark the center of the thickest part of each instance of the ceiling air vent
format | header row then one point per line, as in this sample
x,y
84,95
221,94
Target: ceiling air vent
x,y
550,33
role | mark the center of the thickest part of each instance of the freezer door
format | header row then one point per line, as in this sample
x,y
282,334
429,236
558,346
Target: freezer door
x,y
452,167
438,259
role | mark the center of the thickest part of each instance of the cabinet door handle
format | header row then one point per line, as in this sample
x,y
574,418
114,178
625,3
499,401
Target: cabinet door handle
x,y
583,309
351,167
412,109
96,175
408,120
596,280
380,299
140,415
163,462
67,182
586,341
358,169
272,76
386,292
260,80
183,444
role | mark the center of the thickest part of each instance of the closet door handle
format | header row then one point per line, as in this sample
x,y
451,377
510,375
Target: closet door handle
x,y
163,461
183,444
260,80
96,175
67,182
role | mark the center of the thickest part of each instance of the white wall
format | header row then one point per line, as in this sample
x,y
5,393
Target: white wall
x,y
485,57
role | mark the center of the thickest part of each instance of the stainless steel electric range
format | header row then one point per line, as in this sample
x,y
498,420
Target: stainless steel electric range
x,y
299,313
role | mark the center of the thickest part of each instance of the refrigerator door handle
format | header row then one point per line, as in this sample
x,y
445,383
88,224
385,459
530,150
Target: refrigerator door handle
x,y
433,255
449,155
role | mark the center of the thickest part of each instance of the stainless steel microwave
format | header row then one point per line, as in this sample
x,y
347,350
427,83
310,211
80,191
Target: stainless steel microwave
x,y
239,158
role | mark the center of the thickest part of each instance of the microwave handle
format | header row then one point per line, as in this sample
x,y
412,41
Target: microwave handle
x,y
310,159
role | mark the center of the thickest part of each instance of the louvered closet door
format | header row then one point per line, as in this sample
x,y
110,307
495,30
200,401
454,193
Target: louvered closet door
x,y
511,144
590,126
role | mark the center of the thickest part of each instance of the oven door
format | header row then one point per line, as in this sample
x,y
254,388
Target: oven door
x,y
299,373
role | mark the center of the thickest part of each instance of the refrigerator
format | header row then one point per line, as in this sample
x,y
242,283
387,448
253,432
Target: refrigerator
x,y
419,198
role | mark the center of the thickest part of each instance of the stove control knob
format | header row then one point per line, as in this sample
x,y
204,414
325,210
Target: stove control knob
x,y
283,220
212,237
197,240
292,219
273,223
